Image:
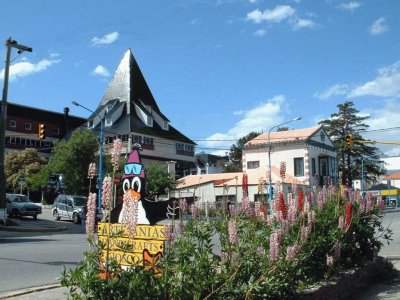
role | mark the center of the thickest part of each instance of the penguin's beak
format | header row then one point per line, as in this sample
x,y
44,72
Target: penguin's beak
x,y
135,195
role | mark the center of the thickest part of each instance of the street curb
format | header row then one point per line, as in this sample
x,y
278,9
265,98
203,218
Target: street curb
x,y
29,290
30,229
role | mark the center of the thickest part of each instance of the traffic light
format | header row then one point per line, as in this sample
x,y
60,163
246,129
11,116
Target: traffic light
x,y
349,140
42,131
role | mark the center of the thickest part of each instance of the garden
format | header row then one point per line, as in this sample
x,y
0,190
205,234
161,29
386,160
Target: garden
x,y
246,250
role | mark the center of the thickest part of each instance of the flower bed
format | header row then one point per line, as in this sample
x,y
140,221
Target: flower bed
x,y
307,239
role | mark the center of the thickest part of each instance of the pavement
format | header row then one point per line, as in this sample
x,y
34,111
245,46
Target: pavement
x,y
377,291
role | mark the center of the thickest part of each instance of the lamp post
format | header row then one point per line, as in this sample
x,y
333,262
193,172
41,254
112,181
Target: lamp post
x,y
100,150
3,117
269,155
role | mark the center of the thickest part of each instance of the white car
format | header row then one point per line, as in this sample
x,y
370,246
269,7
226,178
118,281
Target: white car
x,y
19,205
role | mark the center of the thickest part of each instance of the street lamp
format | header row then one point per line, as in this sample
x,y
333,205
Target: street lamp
x,y
100,150
3,117
269,154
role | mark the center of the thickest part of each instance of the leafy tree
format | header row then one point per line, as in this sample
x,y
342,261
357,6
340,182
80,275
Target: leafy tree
x,y
347,121
158,180
27,164
72,158
236,151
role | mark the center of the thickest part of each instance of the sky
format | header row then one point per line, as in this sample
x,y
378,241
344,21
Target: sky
x,y
218,69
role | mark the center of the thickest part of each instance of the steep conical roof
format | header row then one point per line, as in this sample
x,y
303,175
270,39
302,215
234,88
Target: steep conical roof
x,y
128,85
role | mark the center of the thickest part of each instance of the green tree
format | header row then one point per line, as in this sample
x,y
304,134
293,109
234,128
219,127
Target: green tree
x,y
27,164
236,151
72,158
348,121
158,180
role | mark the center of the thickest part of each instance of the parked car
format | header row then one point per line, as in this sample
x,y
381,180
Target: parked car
x,y
19,205
72,207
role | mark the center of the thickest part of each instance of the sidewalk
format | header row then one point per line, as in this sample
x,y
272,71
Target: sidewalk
x,y
46,292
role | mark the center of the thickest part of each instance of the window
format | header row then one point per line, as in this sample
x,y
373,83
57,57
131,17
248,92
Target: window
x,y
147,141
253,164
299,166
13,123
28,126
137,139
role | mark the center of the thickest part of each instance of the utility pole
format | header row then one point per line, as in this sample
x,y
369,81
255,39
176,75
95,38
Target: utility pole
x,y
3,118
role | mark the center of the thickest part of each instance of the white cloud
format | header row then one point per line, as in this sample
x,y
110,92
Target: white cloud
x,y
101,71
387,116
276,15
337,89
253,1
350,5
379,27
25,68
106,39
260,32
260,118
303,23
386,84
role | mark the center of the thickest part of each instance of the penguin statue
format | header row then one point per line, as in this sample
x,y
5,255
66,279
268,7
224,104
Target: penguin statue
x,y
134,182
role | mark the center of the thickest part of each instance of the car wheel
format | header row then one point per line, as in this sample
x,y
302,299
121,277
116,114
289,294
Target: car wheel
x,y
76,218
56,216
34,217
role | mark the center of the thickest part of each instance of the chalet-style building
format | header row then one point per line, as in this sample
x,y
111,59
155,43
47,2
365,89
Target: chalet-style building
x,y
22,126
130,112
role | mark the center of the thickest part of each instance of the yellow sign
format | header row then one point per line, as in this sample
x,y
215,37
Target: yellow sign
x,y
146,245
155,232
392,192
133,245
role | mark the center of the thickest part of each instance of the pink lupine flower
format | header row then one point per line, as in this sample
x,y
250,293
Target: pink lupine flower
x,y
224,257
311,218
245,185
91,170
91,214
260,251
381,203
169,232
305,232
182,227
341,222
232,230
130,213
107,192
282,170
183,205
291,252
195,210
232,209
257,211
306,205
116,154
369,204
329,261
274,244
245,206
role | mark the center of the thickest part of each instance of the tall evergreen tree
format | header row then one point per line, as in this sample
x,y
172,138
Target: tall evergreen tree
x,y
348,121
236,151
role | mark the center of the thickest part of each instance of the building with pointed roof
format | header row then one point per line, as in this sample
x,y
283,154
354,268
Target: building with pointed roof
x,y
130,112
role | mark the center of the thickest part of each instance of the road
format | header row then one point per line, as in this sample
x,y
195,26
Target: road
x,y
30,259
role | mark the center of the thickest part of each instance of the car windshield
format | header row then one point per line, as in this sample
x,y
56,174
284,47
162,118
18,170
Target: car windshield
x,y
21,199
80,201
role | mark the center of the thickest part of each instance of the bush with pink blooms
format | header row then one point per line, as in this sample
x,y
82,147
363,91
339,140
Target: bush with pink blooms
x,y
239,254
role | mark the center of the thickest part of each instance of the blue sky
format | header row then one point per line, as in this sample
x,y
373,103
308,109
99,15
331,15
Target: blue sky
x,y
218,69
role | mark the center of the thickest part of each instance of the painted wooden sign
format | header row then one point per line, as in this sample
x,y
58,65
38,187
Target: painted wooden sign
x,y
143,248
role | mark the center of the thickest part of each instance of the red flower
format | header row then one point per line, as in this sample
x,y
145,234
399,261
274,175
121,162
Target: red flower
x,y
349,213
300,199
282,206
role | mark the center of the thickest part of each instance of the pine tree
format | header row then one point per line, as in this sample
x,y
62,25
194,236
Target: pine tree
x,y
348,121
236,152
